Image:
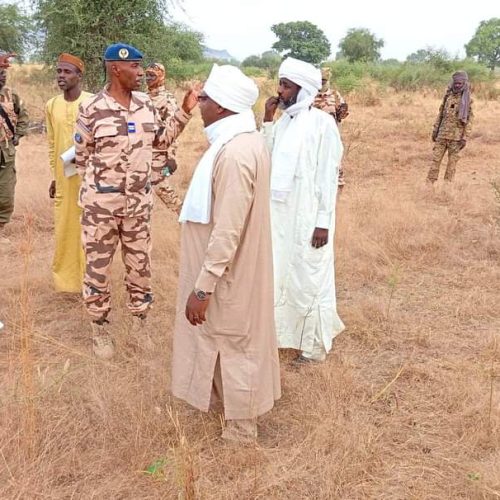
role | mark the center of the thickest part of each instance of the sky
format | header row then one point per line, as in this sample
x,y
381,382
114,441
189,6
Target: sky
x,y
243,27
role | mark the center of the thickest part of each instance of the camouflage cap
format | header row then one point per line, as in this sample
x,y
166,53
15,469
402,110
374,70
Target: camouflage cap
x,y
325,73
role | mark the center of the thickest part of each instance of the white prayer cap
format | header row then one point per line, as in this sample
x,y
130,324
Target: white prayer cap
x,y
230,88
301,73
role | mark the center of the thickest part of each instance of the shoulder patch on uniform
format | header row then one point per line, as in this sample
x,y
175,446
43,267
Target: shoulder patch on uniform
x,y
82,126
78,138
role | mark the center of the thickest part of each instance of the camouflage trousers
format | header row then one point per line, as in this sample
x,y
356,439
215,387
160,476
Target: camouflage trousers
x,y
439,150
101,233
7,190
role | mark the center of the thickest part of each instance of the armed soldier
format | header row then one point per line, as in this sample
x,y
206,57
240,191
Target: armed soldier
x,y
116,132
13,126
334,104
452,127
166,105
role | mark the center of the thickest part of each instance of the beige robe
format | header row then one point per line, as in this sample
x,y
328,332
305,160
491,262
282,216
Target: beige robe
x,y
231,257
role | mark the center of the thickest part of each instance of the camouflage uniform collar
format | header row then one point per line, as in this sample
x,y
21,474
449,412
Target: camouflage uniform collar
x,y
135,103
157,91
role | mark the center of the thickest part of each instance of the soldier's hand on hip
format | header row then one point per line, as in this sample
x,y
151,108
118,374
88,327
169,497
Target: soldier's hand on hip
x,y
52,189
463,142
320,237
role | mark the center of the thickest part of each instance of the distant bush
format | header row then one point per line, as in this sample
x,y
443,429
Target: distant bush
x,y
255,72
180,71
349,77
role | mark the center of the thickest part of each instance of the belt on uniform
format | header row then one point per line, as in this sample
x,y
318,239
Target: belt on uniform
x,y
113,189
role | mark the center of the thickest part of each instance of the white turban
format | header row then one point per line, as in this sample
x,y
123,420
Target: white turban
x,y
301,73
286,157
231,89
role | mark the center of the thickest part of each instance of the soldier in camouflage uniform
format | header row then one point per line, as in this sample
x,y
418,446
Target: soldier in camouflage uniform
x,y
334,104
13,126
166,105
116,131
452,127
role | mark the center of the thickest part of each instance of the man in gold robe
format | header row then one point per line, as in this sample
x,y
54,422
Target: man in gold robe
x,y
69,262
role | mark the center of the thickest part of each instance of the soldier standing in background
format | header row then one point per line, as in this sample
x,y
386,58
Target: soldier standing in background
x,y
452,127
13,125
333,103
166,105
116,132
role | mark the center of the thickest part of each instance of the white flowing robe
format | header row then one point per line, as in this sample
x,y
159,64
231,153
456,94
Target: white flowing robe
x,y
304,276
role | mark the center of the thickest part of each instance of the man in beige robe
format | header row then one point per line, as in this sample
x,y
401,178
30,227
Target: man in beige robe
x,y
225,347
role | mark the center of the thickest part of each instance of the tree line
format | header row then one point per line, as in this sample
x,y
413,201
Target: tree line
x,y
86,27
304,40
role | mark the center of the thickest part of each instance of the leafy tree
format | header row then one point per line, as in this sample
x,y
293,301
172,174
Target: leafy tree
x,y
439,58
180,42
485,44
15,29
270,59
252,61
267,60
420,56
302,40
86,27
360,44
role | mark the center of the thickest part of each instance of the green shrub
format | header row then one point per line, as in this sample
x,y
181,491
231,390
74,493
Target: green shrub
x,y
409,76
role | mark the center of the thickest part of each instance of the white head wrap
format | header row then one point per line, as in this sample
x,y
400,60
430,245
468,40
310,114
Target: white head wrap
x,y
286,157
230,88
303,74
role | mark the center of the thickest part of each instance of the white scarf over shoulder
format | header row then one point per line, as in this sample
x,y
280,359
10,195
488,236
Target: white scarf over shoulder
x,y
286,154
231,89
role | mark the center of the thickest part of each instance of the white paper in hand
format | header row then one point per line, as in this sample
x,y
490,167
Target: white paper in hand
x,y
68,159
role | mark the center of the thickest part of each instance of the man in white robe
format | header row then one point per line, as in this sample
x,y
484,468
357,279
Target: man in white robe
x,y
225,349
306,154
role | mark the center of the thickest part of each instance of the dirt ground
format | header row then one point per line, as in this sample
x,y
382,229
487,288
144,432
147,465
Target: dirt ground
x,y
407,405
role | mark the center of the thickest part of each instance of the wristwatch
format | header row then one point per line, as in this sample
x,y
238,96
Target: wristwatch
x,y
201,295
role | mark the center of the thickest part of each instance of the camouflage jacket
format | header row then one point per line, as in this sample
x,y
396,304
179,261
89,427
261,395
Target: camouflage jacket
x,y
114,151
164,102
166,105
16,111
330,102
448,126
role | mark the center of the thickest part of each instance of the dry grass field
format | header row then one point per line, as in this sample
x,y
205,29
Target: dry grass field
x,y
407,405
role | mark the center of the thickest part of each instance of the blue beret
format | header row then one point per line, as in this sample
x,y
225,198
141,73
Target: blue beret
x,y
122,52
